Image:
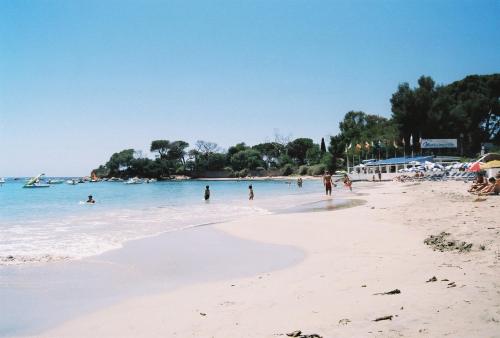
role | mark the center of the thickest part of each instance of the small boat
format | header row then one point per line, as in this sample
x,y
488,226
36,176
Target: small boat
x,y
34,182
53,181
2,180
134,180
150,180
72,182
37,185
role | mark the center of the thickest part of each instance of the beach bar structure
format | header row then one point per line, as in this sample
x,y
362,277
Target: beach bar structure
x,y
392,165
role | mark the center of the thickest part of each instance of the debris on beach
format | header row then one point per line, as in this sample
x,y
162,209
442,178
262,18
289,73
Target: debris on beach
x,y
383,318
392,292
451,285
442,243
203,314
433,279
299,334
344,321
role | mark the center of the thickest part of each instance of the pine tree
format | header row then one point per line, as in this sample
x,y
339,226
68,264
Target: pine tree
x,y
323,146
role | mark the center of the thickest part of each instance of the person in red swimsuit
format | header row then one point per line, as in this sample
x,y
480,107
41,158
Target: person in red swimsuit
x,y
327,182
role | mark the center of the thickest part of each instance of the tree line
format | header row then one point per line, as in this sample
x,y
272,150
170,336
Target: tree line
x,y
468,110
174,158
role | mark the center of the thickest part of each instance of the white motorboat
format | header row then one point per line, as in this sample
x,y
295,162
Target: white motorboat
x,y
54,181
134,180
72,182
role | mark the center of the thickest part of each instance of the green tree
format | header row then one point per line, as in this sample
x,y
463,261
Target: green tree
x,y
297,149
246,159
313,155
468,110
271,152
177,151
161,147
323,146
120,162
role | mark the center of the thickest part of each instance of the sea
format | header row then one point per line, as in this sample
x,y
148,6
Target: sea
x,y
50,224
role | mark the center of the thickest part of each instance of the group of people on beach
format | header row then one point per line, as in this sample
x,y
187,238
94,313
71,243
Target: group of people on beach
x,y
250,193
483,186
329,183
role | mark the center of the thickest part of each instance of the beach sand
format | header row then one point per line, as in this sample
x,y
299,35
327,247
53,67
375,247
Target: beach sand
x,y
351,254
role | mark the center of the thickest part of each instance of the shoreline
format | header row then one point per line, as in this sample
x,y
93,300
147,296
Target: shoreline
x,y
264,205
350,256
76,272
146,266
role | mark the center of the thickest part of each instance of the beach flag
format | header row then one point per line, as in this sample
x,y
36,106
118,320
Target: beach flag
x,y
395,144
403,141
411,140
350,146
420,140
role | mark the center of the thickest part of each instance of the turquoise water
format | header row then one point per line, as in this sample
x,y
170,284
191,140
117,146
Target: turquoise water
x,y
53,223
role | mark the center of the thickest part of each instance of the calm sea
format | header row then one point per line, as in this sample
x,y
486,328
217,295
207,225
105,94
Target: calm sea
x,y
53,223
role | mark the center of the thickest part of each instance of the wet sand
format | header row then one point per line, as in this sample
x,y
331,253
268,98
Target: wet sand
x,y
36,298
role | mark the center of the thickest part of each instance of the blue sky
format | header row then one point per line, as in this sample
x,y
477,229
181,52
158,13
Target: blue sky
x,y
80,80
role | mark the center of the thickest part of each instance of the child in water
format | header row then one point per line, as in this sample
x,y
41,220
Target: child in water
x,y
207,193
90,200
250,192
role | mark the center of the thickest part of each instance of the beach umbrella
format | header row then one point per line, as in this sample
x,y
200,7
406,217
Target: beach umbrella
x,y
475,167
491,164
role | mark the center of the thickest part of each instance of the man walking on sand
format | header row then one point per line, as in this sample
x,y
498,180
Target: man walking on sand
x,y
327,182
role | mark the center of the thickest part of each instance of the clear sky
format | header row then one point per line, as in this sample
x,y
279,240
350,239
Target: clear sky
x,y
80,80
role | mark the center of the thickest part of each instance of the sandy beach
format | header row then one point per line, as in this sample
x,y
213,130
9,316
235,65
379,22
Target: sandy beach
x,y
353,257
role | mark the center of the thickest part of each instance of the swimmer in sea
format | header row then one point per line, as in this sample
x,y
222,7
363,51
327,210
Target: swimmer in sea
x,y
327,182
207,193
250,192
90,200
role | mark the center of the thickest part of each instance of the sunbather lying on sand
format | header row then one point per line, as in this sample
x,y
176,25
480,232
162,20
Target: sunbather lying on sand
x,y
493,188
478,184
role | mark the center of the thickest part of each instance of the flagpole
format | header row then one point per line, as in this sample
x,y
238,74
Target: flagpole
x,y
347,158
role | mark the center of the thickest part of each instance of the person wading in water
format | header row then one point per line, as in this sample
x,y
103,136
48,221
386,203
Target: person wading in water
x,y
328,183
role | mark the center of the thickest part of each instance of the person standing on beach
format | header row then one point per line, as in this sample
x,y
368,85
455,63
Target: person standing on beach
x,y
347,182
327,182
250,193
299,182
379,175
207,193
